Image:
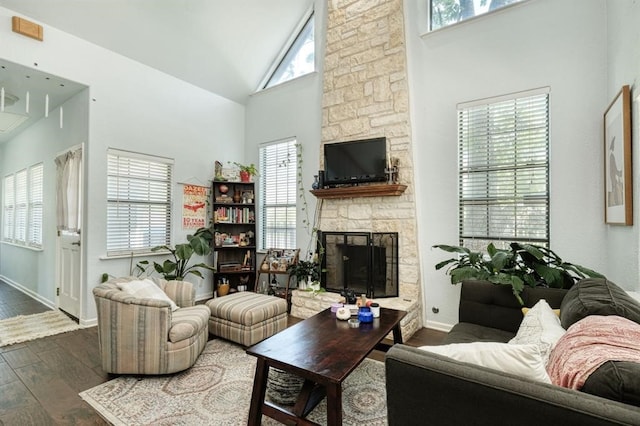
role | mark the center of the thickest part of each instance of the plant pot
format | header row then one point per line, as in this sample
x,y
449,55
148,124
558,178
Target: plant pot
x,y
245,176
223,289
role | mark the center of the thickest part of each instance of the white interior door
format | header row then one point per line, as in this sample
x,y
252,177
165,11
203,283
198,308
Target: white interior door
x,y
68,282
69,223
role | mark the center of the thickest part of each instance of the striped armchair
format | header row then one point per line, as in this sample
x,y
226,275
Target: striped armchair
x,y
143,335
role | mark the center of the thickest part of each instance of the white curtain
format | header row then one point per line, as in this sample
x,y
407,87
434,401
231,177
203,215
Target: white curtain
x,y
68,181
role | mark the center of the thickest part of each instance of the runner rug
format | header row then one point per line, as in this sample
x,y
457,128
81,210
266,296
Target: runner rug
x,y
217,391
29,327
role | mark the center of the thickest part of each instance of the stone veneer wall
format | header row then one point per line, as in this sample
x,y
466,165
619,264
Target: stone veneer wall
x,y
365,95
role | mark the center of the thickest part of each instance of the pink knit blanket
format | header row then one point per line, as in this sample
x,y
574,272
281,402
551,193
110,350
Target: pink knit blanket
x,y
588,344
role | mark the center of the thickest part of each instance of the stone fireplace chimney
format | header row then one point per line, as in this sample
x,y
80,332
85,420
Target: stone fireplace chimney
x,y
366,95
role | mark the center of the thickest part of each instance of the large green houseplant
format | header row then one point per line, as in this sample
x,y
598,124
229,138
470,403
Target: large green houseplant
x,y
178,267
520,265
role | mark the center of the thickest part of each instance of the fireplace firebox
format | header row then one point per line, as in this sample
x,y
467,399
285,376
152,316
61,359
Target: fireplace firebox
x,y
365,262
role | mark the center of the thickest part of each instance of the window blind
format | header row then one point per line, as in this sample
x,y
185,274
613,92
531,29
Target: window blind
x,y
277,212
36,209
9,208
504,170
20,232
138,202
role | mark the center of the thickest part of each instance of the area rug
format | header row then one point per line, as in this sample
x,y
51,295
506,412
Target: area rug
x,y
24,328
217,391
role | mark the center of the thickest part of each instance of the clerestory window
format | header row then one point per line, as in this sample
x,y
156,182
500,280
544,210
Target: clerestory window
x,y
443,13
299,58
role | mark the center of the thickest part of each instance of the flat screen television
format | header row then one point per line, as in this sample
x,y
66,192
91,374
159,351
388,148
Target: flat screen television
x,y
355,162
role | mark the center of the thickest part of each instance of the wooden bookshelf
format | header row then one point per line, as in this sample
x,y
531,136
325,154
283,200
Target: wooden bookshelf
x,y
384,190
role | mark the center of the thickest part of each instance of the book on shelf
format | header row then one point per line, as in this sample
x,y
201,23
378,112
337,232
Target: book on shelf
x,y
234,215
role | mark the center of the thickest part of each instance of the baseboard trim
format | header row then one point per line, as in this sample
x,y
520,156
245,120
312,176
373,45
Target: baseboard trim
x,y
440,326
28,292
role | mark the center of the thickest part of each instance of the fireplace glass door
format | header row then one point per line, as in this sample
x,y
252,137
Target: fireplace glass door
x,y
364,262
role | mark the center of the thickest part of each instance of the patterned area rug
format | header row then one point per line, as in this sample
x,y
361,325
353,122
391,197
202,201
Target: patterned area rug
x,y
217,390
30,327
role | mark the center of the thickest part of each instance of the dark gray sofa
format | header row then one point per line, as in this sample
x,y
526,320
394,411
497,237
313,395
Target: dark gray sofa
x,y
424,388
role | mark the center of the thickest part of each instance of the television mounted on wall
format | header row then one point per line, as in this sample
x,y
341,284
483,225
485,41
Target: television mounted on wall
x,y
354,162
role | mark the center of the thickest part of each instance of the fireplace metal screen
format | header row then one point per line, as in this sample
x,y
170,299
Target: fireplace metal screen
x,y
364,262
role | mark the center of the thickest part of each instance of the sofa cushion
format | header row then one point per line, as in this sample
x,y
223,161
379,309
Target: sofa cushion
x,y
597,296
521,360
146,289
541,327
188,322
466,332
495,306
616,380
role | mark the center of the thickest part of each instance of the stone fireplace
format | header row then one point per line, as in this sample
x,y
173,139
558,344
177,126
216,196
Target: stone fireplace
x,y
366,95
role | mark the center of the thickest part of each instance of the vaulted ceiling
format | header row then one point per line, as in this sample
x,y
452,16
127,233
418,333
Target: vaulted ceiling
x,y
224,46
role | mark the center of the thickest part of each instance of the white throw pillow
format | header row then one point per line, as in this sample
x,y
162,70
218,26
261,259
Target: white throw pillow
x,y
521,360
540,326
146,289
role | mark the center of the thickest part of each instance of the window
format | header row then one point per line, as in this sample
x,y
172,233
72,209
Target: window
x,y
299,58
277,212
23,207
138,202
504,170
9,208
36,210
448,12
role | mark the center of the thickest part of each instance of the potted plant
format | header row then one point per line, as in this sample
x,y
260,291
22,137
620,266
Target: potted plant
x,y
307,273
177,268
246,172
520,265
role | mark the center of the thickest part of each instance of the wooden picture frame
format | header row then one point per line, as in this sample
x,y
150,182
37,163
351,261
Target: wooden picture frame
x,y
618,195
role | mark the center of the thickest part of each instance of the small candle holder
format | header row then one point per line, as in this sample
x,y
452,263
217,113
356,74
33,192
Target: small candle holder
x,y
392,170
354,323
392,175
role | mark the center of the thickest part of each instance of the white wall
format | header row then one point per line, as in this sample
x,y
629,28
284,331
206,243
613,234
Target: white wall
x,y
623,59
33,270
290,110
559,44
136,108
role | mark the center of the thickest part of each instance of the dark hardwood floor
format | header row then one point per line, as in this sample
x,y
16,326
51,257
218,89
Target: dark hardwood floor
x,y
40,380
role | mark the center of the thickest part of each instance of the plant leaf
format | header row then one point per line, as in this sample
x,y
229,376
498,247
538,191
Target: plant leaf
x,y
453,249
200,246
464,273
168,267
499,260
445,263
184,251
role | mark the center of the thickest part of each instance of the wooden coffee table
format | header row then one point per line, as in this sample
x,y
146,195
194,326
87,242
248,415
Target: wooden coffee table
x,y
324,351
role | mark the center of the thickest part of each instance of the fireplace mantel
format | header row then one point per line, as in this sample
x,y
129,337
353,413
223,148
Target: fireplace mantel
x,y
384,190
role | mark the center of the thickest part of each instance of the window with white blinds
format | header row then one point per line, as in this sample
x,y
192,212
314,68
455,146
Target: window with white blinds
x,y
36,209
20,232
9,208
138,202
278,195
23,207
504,170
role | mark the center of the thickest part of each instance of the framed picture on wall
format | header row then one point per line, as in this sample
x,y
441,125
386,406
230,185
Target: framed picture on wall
x,y
618,196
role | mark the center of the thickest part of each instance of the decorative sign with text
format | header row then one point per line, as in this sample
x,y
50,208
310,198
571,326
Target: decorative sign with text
x,y
194,202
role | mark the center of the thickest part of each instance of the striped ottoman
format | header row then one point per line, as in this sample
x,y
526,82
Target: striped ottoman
x,y
246,317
